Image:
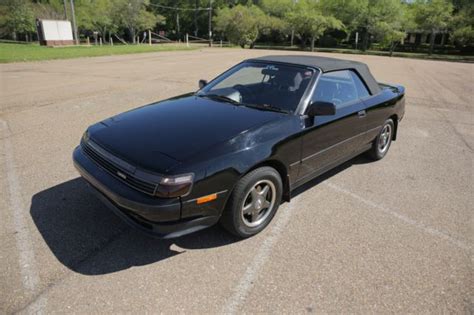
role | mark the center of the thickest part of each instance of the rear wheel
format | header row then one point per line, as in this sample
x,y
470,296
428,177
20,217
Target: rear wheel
x,y
253,203
383,140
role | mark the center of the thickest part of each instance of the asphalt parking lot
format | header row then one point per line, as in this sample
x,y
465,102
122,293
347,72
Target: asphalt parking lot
x,y
390,236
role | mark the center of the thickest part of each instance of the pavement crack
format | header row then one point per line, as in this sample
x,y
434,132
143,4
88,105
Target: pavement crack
x,y
454,129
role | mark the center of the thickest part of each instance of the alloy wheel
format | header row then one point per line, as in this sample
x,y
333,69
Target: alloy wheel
x,y
385,138
258,203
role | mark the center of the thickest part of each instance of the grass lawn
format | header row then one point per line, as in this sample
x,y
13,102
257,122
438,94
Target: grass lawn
x,y
34,52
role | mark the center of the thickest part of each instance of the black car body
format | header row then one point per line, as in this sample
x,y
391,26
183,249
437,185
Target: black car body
x,y
169,168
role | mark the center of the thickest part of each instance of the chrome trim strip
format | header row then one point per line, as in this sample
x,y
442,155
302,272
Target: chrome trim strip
x,y
339,143
295,163
335,164
372,129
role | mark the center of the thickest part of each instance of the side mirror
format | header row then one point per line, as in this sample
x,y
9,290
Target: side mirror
x,y
202,83
321,109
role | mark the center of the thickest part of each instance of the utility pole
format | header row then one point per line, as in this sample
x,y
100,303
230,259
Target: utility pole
x,y
74,27
65,10
210,23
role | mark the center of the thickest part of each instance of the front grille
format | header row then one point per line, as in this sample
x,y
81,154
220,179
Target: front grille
x,y
131,180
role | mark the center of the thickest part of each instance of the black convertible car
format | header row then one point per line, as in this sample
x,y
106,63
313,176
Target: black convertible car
x,y
232,151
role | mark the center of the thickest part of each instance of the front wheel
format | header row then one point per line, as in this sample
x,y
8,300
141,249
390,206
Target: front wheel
x,y
383,140
253,203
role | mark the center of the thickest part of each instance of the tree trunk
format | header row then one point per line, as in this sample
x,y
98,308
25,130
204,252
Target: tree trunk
x,y
365,40
432,41
132,34
312,43
348,35
178,29
196,5
103,32
252,43
303,42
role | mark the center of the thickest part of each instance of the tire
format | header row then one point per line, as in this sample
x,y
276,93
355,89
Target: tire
x,y
253,202
383,141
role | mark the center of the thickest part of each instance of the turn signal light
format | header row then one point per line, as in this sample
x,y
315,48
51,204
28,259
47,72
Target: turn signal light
x,y
206,199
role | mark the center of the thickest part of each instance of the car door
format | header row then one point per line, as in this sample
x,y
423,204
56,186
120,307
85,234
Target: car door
x,y
328,140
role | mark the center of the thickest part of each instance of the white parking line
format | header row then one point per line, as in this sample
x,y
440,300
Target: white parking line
x,y
29,273
401,217
247,281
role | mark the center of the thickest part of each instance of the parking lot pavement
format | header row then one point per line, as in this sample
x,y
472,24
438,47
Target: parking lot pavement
x,y
388,236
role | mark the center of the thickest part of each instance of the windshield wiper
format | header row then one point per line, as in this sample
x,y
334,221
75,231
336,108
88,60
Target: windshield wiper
x,y
234,102
268,107
221,98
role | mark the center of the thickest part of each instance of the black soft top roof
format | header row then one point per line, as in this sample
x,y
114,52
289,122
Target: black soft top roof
x,y
326,65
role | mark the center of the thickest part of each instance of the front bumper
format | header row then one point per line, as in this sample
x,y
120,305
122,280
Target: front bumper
x,y
154,216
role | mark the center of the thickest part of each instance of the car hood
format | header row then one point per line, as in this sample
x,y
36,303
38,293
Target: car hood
x,y
159,136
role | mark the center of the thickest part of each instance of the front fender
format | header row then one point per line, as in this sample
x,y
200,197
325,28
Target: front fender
x,y
226,163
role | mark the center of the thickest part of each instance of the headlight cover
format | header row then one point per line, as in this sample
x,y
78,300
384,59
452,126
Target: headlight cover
x,y
85,136
175,186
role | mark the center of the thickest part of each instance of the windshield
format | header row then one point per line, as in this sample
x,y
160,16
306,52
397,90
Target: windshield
x,y
263,85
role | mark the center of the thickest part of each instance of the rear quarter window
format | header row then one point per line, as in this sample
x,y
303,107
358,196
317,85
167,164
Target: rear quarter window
x,y
362,90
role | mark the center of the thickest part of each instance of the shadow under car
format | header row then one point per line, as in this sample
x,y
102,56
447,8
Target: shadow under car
x,y
88,238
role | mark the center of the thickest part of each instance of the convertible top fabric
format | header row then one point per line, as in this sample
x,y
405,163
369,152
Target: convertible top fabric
x,y
326,65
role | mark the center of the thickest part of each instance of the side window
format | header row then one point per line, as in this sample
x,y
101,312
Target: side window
x,y
341,87
360,87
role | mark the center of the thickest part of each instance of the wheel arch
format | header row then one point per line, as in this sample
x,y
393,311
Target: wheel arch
x,y
281,169
394,118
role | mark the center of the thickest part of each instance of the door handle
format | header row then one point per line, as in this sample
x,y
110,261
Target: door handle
x,y
362,113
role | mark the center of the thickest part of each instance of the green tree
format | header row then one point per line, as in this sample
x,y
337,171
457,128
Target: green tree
x,y
380,17
133,16
189,20
97,15
309,22
49,10
391,22
385,20
433,16
463,23
243,24
350,12
16,17
276,8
